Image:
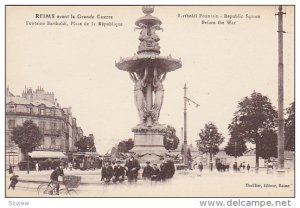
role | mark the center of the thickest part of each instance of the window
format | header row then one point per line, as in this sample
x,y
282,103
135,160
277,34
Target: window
x,y
53,125
42,125
11,108
11,124
52,146
52,112
42,111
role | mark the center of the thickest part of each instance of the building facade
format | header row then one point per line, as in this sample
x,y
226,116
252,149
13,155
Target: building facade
x,y
59,128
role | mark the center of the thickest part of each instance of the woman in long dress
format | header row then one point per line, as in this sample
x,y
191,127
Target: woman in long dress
x,y
139,98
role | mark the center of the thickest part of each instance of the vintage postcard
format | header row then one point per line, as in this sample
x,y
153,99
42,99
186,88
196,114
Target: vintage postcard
x,y
150,101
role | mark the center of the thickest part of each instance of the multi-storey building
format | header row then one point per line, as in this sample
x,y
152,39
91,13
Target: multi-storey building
x,y
59,128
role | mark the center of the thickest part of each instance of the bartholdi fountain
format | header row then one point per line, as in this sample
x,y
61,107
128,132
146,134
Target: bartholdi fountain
x,y
147,69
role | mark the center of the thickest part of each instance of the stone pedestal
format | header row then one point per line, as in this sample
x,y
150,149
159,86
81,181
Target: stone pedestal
x,y
148,143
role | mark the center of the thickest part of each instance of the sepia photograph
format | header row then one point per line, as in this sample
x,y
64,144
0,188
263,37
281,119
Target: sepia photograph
x,y
149,101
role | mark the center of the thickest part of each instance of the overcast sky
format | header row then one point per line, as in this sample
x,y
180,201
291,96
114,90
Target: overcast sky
x,y
221,64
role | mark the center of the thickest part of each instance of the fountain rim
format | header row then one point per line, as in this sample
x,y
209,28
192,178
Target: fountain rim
x,y
134,63
148,20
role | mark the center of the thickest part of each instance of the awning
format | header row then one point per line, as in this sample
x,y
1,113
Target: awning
x,y
87,154
47,154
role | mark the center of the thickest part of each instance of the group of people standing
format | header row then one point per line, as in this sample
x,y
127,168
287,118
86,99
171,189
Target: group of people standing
x,y
241,167
131,170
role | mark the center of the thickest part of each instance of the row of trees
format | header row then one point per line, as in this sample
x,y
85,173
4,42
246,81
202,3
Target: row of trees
x,y
254,122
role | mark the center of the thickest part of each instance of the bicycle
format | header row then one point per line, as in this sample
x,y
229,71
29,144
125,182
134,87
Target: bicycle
x,y
70,182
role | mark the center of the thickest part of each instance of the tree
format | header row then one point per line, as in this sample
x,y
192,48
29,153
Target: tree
x,y
235,147
27,137
290,128
254,116
209,141
85,144
171,141
125,145
268,144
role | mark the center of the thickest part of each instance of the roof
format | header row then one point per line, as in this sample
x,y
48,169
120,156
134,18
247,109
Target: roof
x,y
24,101
47,154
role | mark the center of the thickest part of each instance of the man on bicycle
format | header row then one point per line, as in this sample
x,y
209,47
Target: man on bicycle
x,y
54,177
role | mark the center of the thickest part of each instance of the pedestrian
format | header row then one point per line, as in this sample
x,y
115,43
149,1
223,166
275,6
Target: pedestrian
x,y
70,166
100,163
37,166
106,172
248,167
147,172
92,165
119,173
132,167
244,165
270,164
241,166
200,166
155,174
10,169
13,181
81,164
190,165
235,167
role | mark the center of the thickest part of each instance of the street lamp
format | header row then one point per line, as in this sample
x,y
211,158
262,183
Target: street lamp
x,y
210,151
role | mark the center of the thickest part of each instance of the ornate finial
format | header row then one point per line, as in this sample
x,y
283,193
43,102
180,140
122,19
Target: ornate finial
x,y
148,9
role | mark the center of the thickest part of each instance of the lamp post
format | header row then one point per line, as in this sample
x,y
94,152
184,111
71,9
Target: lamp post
x,y
280,92
235,143
186,100
210,151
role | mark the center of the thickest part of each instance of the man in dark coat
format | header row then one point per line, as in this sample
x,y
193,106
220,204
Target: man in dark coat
x,y
235,168
54,177
132,166
119,173
155,175
100,163
13,181
106,173
167,169
147,172
248,167
200,166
